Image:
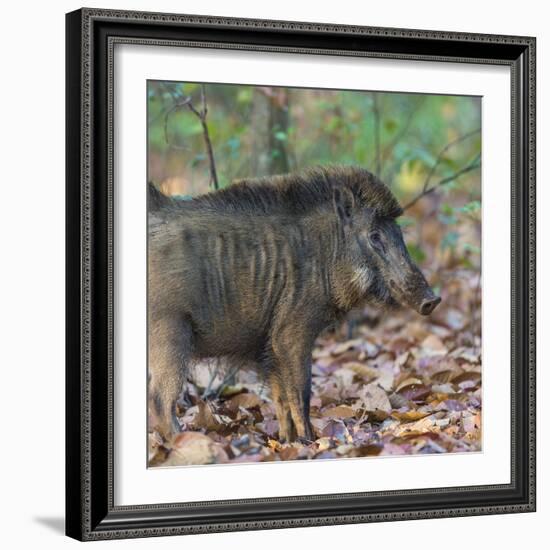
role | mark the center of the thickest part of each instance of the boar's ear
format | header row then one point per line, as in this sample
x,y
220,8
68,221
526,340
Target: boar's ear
x,y
344,202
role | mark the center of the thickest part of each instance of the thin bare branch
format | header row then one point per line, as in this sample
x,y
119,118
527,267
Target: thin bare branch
x,y
426,189
195,111
201,115
441,154
207,142
203,101
473,165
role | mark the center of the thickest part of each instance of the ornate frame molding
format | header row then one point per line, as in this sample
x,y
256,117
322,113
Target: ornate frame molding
x,y
91,38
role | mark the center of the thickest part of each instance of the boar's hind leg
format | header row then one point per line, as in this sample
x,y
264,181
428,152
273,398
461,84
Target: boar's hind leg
x,y
282,409
169,348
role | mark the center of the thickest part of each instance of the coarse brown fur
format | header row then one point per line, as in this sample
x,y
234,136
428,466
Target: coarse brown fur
x,y
254,272
294,193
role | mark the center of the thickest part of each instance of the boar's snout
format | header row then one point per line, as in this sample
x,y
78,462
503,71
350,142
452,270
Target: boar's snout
x,y
424,300
398,272
414,291
429,304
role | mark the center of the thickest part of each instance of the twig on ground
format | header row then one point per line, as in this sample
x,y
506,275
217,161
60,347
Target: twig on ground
x,y
213,375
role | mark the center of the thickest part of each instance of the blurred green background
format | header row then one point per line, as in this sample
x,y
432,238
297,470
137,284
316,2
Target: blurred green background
x,y
412,141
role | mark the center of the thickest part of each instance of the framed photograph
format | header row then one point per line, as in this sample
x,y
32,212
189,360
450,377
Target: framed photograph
x,y
300,274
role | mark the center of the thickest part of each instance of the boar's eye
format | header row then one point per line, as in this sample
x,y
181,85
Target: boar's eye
x,y
376,241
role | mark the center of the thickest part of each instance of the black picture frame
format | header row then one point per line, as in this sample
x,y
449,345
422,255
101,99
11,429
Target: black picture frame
x,y
90,510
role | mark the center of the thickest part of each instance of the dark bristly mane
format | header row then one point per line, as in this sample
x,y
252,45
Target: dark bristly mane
x,y
156,199
299,193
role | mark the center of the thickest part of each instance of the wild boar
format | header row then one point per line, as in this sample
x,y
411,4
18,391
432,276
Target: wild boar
x,y
256,271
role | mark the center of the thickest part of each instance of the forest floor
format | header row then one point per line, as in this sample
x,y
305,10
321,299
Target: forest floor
x,y
382,384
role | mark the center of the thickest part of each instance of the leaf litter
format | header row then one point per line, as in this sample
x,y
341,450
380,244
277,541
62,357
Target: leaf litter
x,y
384,384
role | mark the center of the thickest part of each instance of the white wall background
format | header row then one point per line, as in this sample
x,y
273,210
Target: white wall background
x,y
32,122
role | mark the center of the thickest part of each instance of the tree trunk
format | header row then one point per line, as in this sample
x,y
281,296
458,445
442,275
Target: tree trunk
x,y
270,114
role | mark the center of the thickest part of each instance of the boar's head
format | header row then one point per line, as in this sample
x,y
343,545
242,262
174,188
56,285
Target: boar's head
x,y
373,244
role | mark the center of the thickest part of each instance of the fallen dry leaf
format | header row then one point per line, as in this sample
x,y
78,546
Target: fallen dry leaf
x,y
409,416
433,346
340,411
415,392
245,400
195,448
205,418
426,424
374,398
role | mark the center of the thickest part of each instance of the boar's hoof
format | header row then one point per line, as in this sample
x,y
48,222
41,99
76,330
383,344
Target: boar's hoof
x,y
287,435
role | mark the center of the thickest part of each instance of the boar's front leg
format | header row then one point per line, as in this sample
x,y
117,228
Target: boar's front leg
x,y
287,430
292,389
169,349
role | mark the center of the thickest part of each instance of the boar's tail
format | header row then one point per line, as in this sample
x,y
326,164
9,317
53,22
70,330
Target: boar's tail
x,y
156,199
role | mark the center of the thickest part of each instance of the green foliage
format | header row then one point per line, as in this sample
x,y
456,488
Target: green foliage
x,y
416,253
281,136
471,207
472,248
449,240
405,221
447,214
